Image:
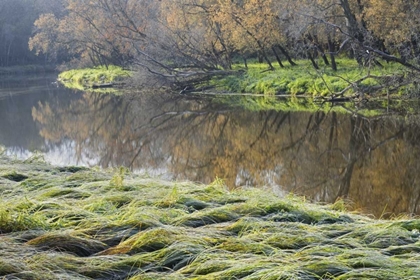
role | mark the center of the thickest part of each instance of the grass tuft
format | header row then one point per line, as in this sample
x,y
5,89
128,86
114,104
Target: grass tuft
x,y
13,220
69,243
207,217
15,177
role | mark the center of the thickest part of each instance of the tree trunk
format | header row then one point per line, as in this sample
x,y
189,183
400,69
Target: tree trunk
x,y
352,24
416,49
321,50
353,30
264,55
309,53
332,57
324,57
260,57
311,58
277,57
286,54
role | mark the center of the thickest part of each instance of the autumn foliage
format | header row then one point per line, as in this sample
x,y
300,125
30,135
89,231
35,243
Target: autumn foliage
x,y
175,38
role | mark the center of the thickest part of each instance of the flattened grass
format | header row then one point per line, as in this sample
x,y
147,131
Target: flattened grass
x,y
79,223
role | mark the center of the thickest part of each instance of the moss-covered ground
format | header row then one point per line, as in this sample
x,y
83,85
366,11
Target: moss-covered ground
x,y
80,223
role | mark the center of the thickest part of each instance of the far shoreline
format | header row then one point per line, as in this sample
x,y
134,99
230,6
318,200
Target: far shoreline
x,y
28,69
349,83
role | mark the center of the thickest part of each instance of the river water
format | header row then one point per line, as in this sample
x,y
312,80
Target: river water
x,y
373,162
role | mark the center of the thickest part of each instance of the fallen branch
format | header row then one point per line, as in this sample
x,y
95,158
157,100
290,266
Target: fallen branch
x,y
107,85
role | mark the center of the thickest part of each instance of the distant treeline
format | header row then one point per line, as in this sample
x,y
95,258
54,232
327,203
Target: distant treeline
x,y
17,19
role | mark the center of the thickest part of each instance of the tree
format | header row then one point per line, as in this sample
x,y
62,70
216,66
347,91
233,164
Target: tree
x,y
46,42
396,25
195,34
250,24
188,41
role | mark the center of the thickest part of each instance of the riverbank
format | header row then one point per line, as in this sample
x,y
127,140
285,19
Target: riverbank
x,y
304,79
259,90
81,223
350,82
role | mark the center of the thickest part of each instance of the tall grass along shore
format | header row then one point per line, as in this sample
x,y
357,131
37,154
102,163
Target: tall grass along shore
x,y
303,79
82,223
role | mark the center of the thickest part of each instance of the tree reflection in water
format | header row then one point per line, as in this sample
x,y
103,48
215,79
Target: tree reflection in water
x,y
371,161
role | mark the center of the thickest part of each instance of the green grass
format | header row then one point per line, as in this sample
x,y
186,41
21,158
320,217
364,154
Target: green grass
x,y
303,79
85,78
81,223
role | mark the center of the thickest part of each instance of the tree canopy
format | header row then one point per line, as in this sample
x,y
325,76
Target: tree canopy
x,y
174,38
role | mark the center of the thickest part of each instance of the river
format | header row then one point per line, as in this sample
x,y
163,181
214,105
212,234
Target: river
x,y
371,161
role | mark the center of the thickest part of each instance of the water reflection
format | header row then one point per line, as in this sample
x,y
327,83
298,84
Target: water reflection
x,y
18,95
372,161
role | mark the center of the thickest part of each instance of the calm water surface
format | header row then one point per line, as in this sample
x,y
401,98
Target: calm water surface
x,y
373,161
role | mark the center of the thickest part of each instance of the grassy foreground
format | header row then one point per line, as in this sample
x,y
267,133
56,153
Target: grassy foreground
x,y
84,78
79,223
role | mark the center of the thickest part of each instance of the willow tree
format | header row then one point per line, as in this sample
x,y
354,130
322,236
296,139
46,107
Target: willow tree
x,y
397,25
251,24
98,32
196,35
373,23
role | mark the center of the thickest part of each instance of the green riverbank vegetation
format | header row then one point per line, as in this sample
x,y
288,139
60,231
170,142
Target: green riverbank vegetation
x,y
303,79
93,77
82,223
